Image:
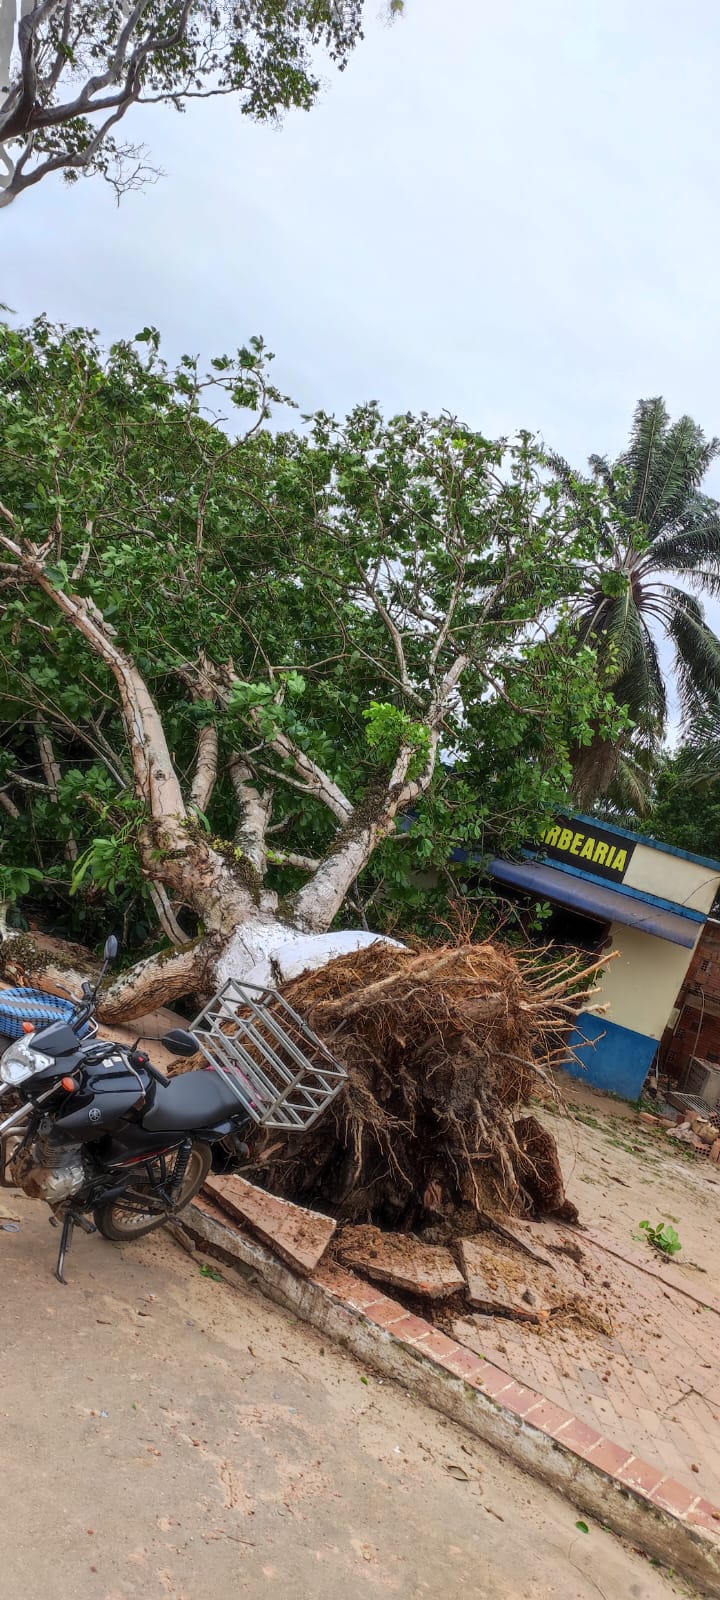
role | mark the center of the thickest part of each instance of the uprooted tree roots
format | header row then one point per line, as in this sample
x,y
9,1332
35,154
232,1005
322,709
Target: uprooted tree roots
x,y
442,1049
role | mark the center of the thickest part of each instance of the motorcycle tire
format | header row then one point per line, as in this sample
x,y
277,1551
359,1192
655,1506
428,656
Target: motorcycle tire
x,y
121,1224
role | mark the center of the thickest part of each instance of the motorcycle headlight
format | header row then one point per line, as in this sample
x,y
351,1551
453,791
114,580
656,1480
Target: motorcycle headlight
x,y
19,1062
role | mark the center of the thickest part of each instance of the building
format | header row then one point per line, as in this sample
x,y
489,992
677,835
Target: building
x,y
620,891
693,1029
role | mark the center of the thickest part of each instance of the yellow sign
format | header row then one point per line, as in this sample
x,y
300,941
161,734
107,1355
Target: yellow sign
x,y
590,847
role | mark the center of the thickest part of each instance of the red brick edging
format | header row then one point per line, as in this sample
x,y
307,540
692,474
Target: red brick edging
x,y
522,1402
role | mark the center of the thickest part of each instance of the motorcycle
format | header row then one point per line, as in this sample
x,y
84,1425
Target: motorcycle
x,y
100,1133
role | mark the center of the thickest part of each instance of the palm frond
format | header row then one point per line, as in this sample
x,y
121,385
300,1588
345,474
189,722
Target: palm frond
x,y
650,424
567,476
618,630
694,542
654,490
681,462
603,472
697,652
632,785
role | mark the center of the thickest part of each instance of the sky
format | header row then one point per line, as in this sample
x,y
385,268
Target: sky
x,y
506,211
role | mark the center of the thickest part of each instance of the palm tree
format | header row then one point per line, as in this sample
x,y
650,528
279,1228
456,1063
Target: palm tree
x,y
660,527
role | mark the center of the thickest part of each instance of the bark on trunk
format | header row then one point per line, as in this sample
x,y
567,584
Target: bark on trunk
x,y
265,952
158,981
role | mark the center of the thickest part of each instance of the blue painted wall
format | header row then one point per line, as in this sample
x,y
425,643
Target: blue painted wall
x,y
614,1058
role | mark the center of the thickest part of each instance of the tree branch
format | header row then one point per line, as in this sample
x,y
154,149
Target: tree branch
x,y
315,781
205,776
371,590
165,914
156,780
317,903
255,807
289,858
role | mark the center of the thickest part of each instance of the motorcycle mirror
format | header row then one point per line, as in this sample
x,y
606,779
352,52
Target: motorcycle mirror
x,y
180,1043
111,948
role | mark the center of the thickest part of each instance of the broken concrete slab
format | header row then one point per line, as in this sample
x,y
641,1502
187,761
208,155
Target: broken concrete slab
x,y
299,1236
427,1270
492,1287
520,1234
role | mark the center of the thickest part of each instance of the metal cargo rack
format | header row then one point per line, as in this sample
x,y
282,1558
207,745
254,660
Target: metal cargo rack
x,y
279,1069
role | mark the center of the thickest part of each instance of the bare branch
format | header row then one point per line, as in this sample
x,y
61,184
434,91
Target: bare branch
x,y
319,901
446,624
255,807
53,775
165,914
20,782
371,590
155,777
205,776
317,782
290,858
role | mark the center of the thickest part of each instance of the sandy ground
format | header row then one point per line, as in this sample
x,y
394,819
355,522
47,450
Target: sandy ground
x,y
619,1173
167,1436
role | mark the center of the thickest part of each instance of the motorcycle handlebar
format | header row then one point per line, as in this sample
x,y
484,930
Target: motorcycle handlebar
x,y
154,1072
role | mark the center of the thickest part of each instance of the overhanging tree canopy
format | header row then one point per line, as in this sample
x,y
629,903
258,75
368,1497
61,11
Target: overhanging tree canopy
x,y
77,67
230,662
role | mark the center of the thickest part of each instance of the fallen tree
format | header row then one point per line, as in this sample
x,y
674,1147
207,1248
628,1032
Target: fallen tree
x,y
228,666
444,1049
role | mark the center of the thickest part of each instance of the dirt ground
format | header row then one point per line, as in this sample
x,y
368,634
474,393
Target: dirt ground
x,y
630,1346
619,1173
166,1435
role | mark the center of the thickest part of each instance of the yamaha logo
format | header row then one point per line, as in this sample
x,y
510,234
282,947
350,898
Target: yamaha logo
x,y
94,1114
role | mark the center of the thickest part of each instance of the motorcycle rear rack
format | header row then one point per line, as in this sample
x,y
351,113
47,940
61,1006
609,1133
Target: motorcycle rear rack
x,y
283,1074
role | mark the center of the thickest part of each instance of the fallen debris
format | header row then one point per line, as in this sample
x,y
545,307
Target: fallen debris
x,y
401,1260
299,1236
490,1287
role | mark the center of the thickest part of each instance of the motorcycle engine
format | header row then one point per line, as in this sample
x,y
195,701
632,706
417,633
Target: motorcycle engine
x,y
46,1173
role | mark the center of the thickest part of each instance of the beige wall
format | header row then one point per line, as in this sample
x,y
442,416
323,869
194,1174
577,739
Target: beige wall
x,y
641,985
672,878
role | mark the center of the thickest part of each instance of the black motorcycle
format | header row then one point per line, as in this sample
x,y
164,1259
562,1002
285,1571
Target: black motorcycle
x,y
100,1133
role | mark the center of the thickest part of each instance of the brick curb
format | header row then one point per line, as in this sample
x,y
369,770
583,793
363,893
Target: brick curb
x,y
606,1480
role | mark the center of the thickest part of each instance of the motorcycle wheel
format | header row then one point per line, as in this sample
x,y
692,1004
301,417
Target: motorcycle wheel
x,y
123,1223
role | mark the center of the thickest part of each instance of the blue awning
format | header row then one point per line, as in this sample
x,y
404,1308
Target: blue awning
x,y
597,900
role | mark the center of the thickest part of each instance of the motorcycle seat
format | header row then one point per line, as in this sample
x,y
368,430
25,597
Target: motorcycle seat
x,y
194,1100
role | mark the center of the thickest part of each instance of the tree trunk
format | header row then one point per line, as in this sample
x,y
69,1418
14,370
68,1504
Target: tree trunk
x,y
222,883
594,768
263,950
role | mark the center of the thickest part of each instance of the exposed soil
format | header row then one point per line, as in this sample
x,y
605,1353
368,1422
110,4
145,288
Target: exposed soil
x,y
621,1172
443,1049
